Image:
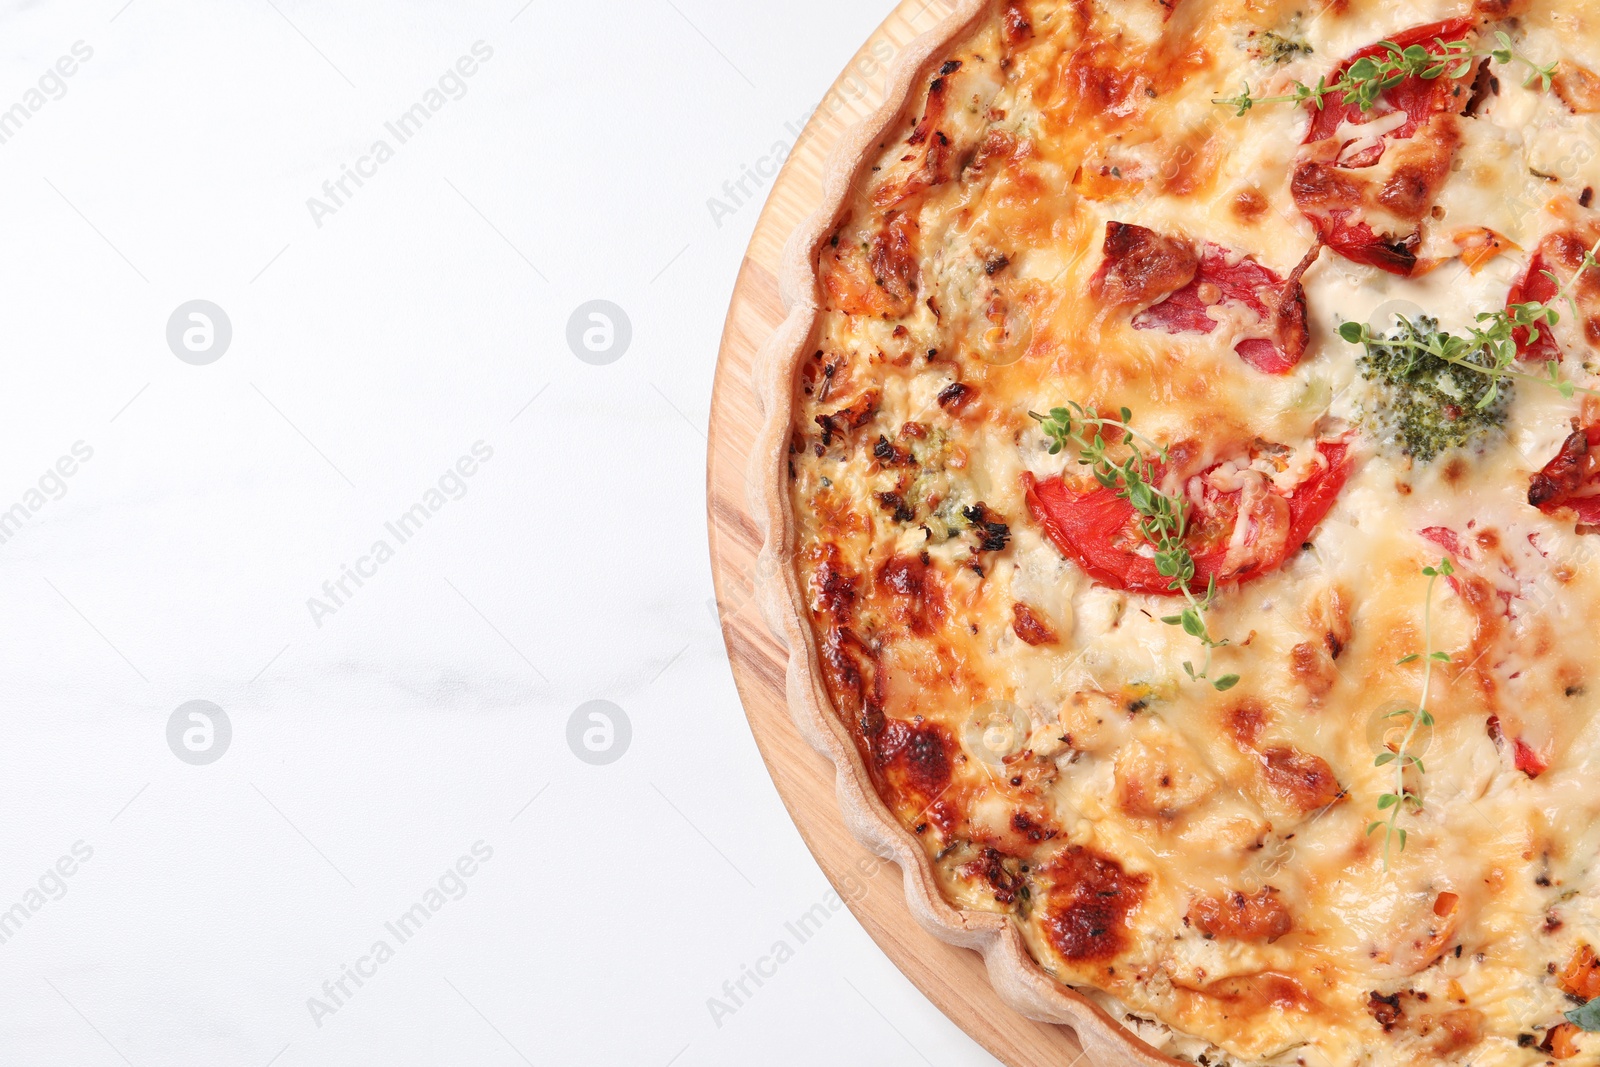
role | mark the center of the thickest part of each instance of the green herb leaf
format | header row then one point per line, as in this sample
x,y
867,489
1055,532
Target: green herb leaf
x,y
1370,76
1164,518
1437,391
1586,1018
1420,718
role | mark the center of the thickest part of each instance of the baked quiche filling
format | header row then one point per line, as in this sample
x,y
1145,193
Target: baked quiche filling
x,y
1196,477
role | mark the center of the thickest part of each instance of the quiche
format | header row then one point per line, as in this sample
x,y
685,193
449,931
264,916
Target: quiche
x,y
1181,480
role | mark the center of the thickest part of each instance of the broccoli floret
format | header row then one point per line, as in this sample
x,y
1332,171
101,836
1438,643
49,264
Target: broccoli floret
x,y
1422,405
1276,48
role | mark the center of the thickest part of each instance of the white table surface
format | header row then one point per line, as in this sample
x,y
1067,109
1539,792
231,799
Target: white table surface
x,y
373,346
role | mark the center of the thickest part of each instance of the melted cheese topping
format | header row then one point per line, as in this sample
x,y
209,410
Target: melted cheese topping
x,y
1203,859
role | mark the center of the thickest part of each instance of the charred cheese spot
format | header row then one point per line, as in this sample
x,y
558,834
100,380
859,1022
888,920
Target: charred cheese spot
x,y
1246,721
1500,9
1016,27
1087,904
1258,991
916,593
1385,1009
998,873
852,417
1249,204
914,758
1029,627
1442,1033
1578,87
1329,613
1313,668
1258,917
894,263
1300,778
833,587
1161,780
1451,1032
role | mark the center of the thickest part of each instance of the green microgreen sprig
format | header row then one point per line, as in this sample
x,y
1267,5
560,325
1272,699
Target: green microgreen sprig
x,y
1365,79
1163,517
1494,337
1403,798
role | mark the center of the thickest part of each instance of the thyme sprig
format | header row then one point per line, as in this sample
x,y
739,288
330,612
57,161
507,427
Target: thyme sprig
x,y
1365,79
1163,517
1403,798
1494,337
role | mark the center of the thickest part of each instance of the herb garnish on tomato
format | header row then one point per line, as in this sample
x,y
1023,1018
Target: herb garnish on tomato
x,y
1128,497
1127,533
1389,63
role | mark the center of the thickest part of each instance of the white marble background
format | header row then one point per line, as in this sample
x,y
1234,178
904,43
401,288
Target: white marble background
x,y
157,912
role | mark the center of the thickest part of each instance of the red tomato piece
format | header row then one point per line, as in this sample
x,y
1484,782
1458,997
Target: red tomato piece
x,y
1417,97
1528,761
1446,539
1560,254
1534,287
1450,541
1098,530
1570,483
1328,185
1223,278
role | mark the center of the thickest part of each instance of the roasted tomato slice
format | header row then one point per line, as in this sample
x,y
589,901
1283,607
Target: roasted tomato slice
x,y
1141,266
1226,278
1175,284
1417,97
1369,213
1235,535
1560,254
1570,483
